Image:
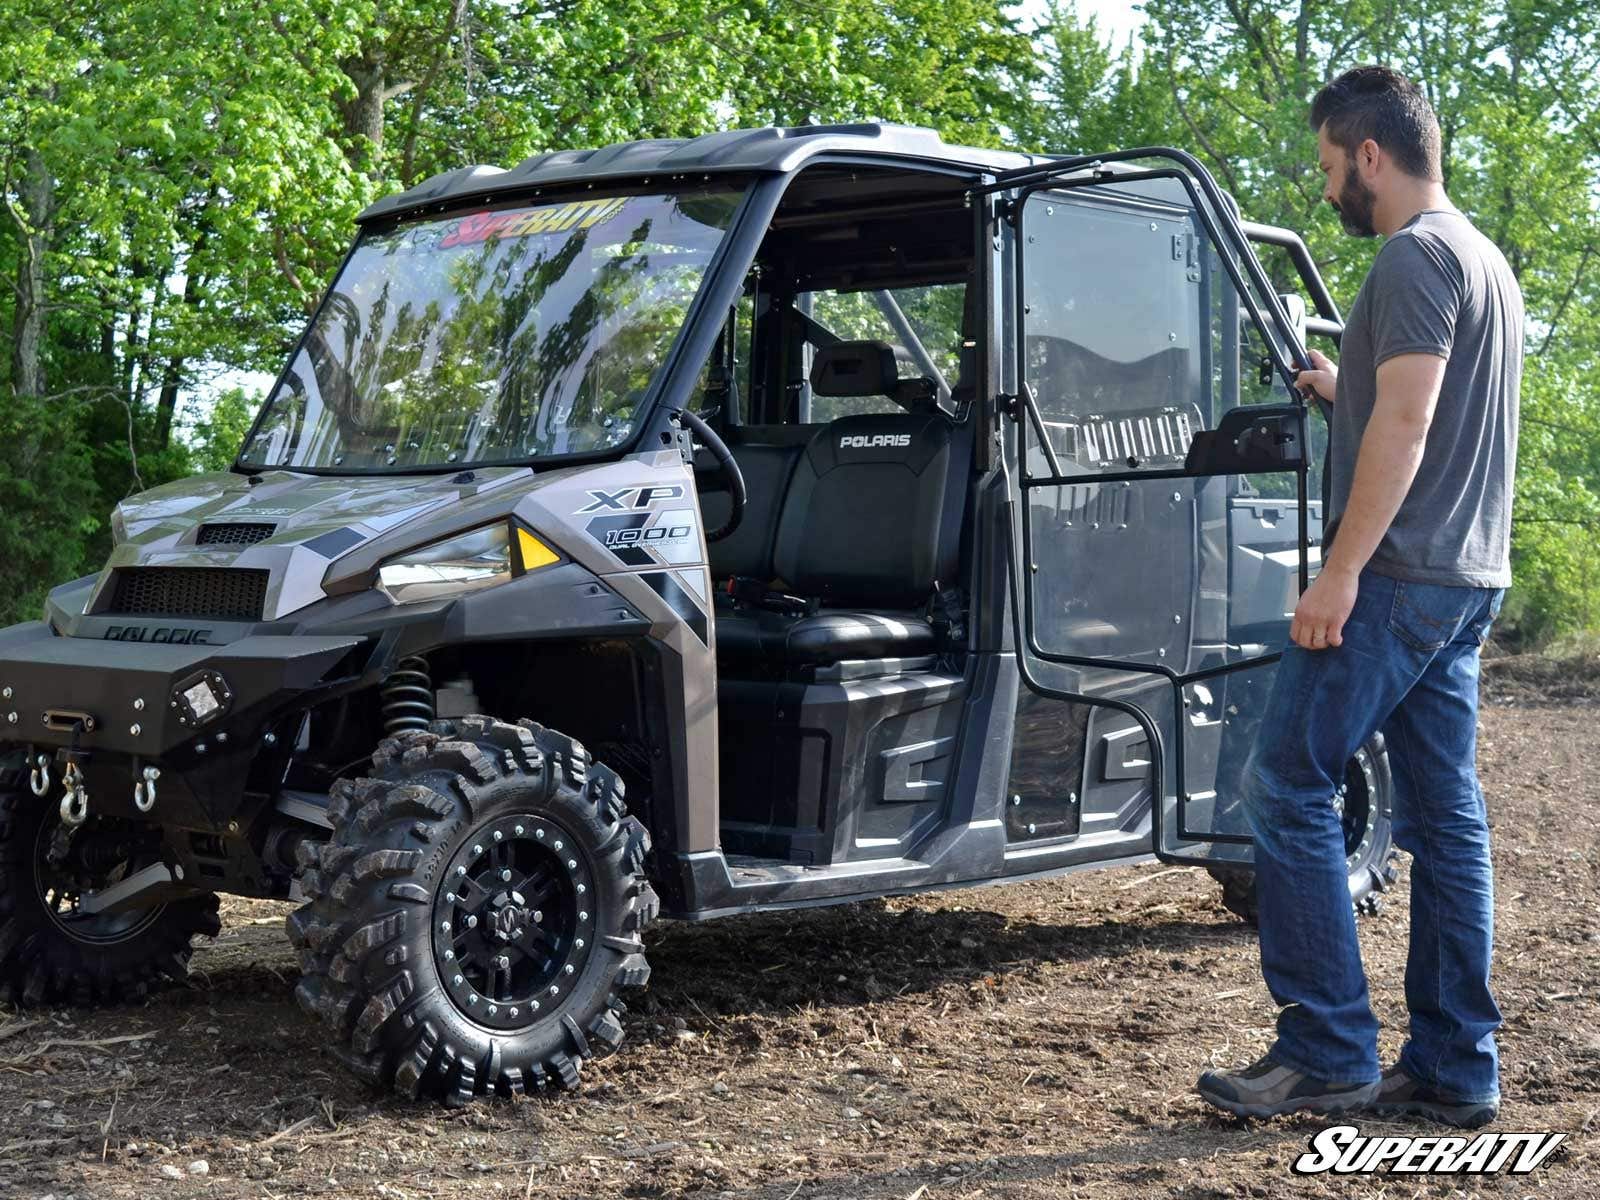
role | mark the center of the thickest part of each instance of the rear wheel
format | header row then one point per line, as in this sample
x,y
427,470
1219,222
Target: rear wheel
x,y
1363,804
49,949
474,913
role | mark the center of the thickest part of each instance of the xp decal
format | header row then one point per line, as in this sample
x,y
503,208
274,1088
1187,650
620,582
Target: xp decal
x,y
1344,1150
631,498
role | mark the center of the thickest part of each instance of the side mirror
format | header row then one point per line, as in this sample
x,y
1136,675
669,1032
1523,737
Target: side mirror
x,y
1295,305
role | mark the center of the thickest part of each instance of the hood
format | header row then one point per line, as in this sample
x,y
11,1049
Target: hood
x,y
289,525
298,508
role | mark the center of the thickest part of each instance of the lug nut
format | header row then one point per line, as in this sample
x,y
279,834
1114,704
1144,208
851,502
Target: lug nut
x,y
458,981
505,876
569,968
498,836
472,922
519,834
449,956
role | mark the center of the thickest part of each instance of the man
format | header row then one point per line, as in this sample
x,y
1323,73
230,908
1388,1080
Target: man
x,y
1416,557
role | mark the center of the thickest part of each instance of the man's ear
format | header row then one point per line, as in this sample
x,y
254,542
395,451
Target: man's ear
x,y
1368,154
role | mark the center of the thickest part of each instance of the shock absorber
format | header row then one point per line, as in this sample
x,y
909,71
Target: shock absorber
x,y
407,696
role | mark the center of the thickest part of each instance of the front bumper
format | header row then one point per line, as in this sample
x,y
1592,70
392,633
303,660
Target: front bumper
x,y
127,698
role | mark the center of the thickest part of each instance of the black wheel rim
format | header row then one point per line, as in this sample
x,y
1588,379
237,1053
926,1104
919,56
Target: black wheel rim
x,y
513,921
1358,815
60,893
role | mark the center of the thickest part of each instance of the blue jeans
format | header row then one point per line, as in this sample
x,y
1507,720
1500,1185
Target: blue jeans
x,y
1408,665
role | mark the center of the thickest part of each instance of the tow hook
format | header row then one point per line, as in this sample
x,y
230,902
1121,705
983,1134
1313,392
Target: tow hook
x,y
144,792
75,801
39,780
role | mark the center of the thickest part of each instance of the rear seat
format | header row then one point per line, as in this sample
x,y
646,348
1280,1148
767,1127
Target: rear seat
x,y
869,522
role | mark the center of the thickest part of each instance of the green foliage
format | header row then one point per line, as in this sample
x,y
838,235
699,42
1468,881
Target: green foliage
x,y
179,177
44,522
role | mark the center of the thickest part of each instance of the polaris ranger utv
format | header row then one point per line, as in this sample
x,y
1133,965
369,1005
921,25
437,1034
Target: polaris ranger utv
x,y
869,515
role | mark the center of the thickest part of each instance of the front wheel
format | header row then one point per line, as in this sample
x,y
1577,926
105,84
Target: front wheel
x,y
476,909
52,951
1363,803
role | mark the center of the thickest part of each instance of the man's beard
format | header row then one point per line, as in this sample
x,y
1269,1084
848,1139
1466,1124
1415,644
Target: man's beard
x,y
1355,204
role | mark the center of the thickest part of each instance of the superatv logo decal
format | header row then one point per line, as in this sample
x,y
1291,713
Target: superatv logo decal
x,y
521,222
862,441
631,498
1344,1150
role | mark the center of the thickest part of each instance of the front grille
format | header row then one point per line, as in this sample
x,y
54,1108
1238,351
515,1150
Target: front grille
x,y
234,534
214,593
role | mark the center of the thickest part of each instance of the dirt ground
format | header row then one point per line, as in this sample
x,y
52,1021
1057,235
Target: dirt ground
x,y
1029,1041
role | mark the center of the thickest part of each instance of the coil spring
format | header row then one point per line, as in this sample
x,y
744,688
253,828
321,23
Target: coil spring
x,y
407,696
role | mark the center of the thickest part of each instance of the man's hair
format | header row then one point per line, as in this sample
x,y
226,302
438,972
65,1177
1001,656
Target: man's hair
x,y
1381,104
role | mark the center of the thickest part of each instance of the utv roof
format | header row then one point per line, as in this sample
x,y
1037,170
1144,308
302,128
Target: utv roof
x,y
741,151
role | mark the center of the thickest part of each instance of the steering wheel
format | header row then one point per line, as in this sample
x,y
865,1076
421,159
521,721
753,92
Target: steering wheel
x,y
726,463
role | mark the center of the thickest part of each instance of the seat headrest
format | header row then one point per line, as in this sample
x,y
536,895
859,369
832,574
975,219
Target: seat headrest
x,y
856,369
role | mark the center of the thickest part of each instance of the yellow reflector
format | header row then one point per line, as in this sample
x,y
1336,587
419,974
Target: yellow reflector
x,y
535,554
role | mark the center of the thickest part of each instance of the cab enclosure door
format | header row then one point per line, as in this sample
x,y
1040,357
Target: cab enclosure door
x,y
1162,530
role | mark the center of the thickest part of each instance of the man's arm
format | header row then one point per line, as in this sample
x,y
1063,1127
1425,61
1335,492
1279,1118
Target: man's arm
x,y
1391,452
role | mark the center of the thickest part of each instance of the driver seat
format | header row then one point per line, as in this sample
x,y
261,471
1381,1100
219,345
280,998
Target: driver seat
x,y
870,522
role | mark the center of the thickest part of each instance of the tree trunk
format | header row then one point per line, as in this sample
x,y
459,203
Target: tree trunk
x,y
363,116
37,195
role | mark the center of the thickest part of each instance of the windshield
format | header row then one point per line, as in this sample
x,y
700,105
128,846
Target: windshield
x,y
493,336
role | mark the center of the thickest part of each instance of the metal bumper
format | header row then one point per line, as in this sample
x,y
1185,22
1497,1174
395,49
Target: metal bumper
x,y
130,698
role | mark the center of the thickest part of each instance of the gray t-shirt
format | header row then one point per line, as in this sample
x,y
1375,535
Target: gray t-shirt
x,y
1438,286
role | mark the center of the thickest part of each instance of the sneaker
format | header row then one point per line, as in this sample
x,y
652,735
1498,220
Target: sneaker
x,y
1401,1095
1270,1089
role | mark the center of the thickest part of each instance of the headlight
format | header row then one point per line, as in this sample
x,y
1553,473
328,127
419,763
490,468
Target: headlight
x,y
459,564
463,563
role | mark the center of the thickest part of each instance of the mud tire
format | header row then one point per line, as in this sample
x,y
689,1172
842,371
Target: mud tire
x,y
42,962
1372,862
366,939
